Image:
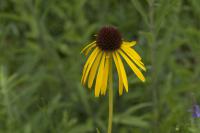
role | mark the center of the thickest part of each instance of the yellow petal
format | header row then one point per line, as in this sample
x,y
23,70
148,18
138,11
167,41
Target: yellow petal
x,y
132,56
88,64
93,70
88,47
105,74
133,67
119,74
132,51
122,71
130,44
99,76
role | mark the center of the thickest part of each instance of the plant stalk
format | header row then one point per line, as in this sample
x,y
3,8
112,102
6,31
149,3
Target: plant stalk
x,y
154,69
110,117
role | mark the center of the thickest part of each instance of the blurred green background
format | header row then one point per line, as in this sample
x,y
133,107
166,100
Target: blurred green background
x,y
41,65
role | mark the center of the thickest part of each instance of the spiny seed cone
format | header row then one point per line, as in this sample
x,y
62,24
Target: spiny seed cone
x,y
109,38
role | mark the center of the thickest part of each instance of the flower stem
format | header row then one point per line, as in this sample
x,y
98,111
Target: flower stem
x,y
154,67
110,99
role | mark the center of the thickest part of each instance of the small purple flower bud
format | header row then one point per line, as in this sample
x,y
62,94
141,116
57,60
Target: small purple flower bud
x,y
196,111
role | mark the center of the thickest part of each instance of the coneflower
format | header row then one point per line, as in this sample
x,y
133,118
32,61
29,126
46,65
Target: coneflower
x,y
108,47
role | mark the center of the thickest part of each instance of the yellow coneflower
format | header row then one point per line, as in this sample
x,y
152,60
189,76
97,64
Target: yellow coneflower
x,y
109,46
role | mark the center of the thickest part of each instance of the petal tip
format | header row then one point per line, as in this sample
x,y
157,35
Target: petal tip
x,y
143,80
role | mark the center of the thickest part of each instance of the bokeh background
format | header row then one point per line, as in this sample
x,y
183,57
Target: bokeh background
x,y
41,65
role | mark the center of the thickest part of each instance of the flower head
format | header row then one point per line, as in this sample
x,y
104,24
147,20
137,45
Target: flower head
x,y
109,46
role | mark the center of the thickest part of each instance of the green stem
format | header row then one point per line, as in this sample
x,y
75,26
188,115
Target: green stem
x,y
110,99
154,69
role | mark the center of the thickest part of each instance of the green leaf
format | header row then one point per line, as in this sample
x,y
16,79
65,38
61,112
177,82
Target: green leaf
x,y
130,120
138,6
136,108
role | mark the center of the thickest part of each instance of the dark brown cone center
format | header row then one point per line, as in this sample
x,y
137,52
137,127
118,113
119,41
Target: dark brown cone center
x,y
109,38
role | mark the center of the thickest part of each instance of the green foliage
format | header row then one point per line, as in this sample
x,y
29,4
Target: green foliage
x,y
40,66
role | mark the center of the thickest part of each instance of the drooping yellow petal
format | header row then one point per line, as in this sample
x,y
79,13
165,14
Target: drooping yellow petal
x,y
87,62
130,44
133,67
93,70
119,74
89,68
132,56
105,74
88,65
122,71
99,76
132,51
88,47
